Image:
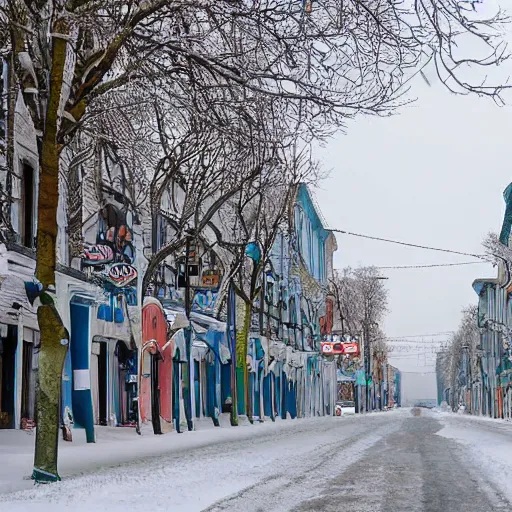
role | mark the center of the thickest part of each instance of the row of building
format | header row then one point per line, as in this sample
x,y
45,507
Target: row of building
x,y
476,376
162,359
372,384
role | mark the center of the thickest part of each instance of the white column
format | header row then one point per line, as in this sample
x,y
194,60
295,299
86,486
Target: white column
x,y
18,374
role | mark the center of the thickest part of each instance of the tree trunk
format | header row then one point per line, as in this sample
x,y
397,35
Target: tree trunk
x,y
53,349
242,381
51,361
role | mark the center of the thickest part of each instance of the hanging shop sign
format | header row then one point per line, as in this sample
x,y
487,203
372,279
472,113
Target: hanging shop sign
x,y
210,279
326,348
329,348
121,274
336,348
350,348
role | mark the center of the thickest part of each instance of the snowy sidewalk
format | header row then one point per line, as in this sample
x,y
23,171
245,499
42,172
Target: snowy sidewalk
x,y
196,471
488,442
117,446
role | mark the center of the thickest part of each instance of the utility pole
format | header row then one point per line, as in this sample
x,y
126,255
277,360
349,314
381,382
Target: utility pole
x,y
465,349
231,334
367,363
187,394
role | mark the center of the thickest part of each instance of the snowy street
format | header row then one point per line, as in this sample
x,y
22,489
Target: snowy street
x,y
379,462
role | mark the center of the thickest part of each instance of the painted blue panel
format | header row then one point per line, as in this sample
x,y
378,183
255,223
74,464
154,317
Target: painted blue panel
x,y
251,390
210,390
225,382
277,394
257,394
80,358
219,336
176,383
311,234
283,383
267,396
67,388
197,389
291,402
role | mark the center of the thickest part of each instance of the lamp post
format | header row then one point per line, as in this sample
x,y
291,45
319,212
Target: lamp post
x,y
367,359
187,392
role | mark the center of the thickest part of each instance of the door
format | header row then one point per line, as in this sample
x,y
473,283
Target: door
x,y
155,394
8,392
28,388
80,362
103,385
176,393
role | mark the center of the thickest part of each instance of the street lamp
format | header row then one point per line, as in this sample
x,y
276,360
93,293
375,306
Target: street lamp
x,y
367,359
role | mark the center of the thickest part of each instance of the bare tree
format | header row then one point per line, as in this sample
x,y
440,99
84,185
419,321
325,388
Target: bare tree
x,y
460,361
252,219
360,300
210,171
331,60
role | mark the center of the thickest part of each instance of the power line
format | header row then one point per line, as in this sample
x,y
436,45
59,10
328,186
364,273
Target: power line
x,y
434,265
419,372
478,256
419,342
420,335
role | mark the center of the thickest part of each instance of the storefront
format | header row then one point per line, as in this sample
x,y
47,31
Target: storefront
x,y
113,383
19,339
157,368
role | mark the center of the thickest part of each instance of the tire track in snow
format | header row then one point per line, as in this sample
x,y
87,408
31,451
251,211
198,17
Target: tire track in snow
x,y
306,477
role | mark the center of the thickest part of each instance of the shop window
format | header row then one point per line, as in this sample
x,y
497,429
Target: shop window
x,y
27,207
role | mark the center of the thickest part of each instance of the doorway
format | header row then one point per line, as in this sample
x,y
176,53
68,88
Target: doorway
x,y
126,360
155,394
102,384
8,347
28,386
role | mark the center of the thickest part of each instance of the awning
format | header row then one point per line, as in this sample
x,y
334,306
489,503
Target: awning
x,y
342,377
13,302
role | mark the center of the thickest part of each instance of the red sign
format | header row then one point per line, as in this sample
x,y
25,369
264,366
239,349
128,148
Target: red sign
x,y
350,348
210,280
330,348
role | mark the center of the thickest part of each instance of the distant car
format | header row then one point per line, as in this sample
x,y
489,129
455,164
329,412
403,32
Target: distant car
x,y
344,407
424,405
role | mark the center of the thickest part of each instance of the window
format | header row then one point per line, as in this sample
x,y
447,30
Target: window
x,y
27,207
3,104
161,232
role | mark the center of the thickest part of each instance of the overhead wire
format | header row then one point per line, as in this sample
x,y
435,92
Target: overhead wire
x,y
431,335
433,265
417,342
403,339
407,244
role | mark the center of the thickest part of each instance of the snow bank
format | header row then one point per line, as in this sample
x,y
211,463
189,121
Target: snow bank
x,y
113,447
488,443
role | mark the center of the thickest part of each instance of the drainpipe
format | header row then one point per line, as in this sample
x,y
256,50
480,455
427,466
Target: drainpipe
x,y
155,398
187,392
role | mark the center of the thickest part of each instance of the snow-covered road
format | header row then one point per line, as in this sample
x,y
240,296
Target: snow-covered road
x,y
379,462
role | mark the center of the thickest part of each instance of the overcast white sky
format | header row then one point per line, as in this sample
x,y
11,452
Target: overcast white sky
x,y
432,175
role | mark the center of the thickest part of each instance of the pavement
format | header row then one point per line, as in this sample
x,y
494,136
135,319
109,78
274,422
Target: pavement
x,y
381,462
412,470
